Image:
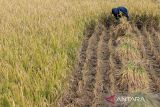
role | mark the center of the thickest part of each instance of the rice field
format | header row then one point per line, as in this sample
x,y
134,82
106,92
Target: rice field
x,y
39,43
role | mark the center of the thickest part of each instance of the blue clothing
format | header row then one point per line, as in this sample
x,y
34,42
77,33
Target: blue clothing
x,y
116,12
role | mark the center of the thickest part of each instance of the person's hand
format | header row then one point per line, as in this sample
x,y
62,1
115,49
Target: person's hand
x,y
120,14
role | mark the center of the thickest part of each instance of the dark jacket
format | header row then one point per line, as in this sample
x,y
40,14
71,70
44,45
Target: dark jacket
x,y
116,12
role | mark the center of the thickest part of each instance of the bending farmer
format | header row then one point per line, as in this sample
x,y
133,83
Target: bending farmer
x,y
119,12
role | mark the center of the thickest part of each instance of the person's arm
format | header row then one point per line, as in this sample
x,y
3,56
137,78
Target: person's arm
x,y
127,16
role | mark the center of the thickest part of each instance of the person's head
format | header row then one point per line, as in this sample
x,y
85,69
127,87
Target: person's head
x,y
115,12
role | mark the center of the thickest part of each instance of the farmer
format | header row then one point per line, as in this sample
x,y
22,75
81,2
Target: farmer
x,y
119,12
